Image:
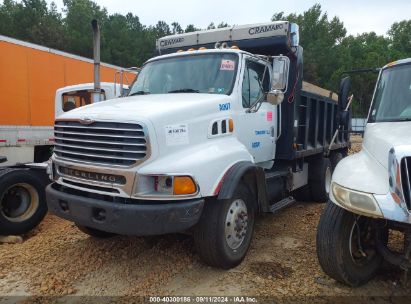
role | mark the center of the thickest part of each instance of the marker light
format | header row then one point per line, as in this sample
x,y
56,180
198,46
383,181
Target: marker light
x,y
231,125
184,185
202,48
234,47
391,64
190,50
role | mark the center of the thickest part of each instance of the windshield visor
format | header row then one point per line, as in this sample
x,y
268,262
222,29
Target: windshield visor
x,y
194,73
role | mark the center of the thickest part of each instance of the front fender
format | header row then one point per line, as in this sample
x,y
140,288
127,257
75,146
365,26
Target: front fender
x,y
255,177
362,172
206,162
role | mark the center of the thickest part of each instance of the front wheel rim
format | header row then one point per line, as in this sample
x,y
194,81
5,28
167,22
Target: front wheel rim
x,y
236,224
362,242
19,202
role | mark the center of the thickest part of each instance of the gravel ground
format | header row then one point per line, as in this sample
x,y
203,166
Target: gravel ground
x,y
58,260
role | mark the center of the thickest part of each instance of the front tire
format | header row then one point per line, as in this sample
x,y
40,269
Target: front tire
x,y
22,201
335,158
223,234
346,247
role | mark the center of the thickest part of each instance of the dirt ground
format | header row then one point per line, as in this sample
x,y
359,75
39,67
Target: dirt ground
x,y
58,260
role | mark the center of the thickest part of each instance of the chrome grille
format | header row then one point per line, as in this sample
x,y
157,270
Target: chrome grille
x,y
106,143
405,178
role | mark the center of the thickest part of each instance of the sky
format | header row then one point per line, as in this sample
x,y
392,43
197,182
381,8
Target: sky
x,y
359,16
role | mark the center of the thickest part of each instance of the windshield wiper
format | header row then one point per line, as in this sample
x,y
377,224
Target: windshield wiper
x,y
139,93
184,91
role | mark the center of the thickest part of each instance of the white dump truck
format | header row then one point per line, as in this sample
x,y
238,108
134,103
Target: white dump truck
x,y
370,191
216,129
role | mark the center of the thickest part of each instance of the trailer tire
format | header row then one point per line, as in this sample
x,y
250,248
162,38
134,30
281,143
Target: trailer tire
x,y
337,251
22,201
319,179
335,158
214,237
99,234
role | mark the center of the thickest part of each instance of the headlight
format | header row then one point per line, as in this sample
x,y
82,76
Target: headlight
x,y
165,185
359,201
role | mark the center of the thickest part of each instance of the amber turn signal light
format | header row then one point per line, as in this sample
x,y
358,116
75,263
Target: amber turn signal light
x,y
184,185
231,125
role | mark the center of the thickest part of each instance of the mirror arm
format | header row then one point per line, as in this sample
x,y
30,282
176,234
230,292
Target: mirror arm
x,y
259,101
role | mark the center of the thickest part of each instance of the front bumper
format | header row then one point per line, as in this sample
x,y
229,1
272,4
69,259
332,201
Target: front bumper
x,y
140,218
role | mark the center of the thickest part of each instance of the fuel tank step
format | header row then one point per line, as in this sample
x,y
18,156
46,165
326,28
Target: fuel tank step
x,y
288,201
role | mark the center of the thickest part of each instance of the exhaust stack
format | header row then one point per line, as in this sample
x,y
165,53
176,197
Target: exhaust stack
x,y
96,57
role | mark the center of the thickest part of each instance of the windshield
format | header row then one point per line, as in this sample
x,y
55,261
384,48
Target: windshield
x,y
194,73
392,101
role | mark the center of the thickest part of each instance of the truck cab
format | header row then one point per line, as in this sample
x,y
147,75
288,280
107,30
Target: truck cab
x,y
210,134
74,96
370,190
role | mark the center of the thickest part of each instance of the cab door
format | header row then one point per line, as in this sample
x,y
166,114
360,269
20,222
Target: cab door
x,y
258,128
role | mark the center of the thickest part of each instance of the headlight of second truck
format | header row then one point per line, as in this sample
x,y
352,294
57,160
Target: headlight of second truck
x,y
354,200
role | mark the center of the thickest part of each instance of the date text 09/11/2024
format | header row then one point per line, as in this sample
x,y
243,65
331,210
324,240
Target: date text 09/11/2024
x,y
203,299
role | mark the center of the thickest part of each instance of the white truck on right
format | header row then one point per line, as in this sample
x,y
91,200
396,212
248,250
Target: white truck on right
x,y
371,190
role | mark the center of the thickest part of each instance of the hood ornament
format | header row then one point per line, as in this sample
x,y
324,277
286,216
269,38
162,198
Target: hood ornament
x,y
86,121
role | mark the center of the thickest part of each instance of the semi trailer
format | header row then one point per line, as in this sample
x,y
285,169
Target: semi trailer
x,y
37,84
370,195
217,128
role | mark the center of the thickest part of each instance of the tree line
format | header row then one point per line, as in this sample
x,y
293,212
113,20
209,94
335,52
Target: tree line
x,y
328,50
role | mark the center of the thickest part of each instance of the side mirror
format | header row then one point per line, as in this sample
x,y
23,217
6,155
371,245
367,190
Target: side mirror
x,y
343,94
279,82
294,35
3,159
343,97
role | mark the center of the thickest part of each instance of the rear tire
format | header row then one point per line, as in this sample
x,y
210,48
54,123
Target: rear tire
x,y
223,234
319,179
22,201
335,158
338,251
99,234
303,194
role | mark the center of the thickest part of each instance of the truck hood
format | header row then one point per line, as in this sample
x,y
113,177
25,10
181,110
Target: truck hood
x,y
380,137
150,107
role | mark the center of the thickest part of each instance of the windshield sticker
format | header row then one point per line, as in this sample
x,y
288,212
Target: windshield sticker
x,y
224,106
269,116
176,135
227,65
220,90
255,144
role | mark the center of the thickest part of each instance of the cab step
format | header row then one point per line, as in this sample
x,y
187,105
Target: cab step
x,y
282,204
